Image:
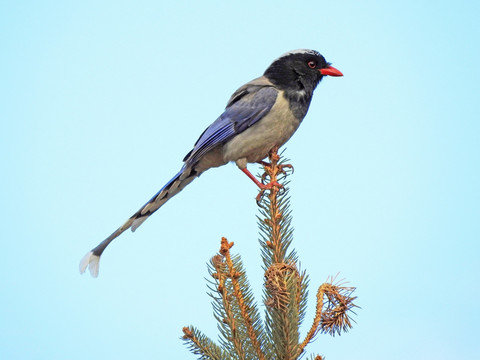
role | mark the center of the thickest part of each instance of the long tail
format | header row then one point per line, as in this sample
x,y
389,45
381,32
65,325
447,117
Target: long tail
x,y
171,188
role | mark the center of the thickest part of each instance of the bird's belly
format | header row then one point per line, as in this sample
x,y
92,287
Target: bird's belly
x,y
253,144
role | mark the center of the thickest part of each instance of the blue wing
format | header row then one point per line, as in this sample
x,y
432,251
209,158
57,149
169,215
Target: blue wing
x,y
247,106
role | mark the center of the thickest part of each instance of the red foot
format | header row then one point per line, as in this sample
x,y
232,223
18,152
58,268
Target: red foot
x,y
259,184
262,187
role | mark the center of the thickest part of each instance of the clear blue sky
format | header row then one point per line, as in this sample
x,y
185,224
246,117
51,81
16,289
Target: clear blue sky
x,y
100,101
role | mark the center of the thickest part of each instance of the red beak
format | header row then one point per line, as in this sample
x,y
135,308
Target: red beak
x,y
331,71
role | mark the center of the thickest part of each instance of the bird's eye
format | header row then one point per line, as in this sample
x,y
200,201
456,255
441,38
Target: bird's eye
x,y
312,64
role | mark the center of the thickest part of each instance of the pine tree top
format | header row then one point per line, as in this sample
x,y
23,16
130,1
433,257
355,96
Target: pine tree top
x,y
243,332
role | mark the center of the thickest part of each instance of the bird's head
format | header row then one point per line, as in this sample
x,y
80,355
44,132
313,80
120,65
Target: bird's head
x,y
300,69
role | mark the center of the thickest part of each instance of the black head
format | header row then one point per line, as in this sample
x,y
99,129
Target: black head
x,y
300,70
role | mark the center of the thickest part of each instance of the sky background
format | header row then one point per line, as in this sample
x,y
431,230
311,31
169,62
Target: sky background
x,y
101,100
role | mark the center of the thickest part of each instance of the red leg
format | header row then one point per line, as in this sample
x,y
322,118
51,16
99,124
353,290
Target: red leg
x,y
259,184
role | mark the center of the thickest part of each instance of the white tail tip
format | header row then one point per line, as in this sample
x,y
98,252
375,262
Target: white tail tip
x,y
137,222
92,262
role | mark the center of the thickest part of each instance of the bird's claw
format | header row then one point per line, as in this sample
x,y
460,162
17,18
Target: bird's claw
x,y
264,177
264,187
279,166
290,166
259,197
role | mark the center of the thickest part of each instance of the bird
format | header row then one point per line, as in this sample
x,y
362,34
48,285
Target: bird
x,y
261,115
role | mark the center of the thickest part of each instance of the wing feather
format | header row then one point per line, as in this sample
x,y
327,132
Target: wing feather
x,y
247,106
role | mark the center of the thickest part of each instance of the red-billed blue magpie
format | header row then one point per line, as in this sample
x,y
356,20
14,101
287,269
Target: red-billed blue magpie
x,y
259,116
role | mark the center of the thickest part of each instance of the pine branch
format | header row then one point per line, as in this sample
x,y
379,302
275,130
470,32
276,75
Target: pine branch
x,y
201,345
282,284
283,294
225,308
242,303
335,317
317,357
234,307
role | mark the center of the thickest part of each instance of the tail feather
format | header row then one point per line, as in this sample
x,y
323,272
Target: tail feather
x,y
184,177
92,262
